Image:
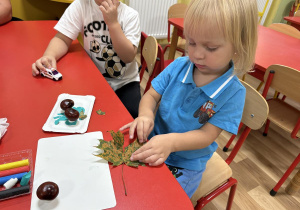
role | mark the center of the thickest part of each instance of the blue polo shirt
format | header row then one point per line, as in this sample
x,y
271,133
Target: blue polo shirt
x,y
185,107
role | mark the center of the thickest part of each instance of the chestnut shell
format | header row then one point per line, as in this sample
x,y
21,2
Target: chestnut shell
x,y
47,191
67,103
72,114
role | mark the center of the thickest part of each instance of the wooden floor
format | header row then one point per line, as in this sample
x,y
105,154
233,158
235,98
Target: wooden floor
x,y
258,166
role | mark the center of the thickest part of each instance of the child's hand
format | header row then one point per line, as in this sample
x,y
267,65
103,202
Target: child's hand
x,y
109,11
154,152
143,126
42,63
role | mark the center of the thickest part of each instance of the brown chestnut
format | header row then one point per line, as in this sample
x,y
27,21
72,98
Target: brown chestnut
x,y
67,103
72,114
47,191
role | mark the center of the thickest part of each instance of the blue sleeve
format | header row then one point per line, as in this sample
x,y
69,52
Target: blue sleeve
x,y
230,114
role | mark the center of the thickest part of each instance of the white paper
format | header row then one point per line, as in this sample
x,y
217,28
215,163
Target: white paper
x,y
87,102
3,126
84,180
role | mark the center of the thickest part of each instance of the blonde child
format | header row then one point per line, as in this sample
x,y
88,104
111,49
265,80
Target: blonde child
x,y
111,34
200,95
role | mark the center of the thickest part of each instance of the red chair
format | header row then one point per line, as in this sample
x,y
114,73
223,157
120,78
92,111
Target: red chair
x,y
284,80
150,66
160,55
217,177
160,65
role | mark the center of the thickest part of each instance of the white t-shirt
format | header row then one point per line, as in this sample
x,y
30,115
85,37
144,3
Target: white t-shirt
x,y
85,17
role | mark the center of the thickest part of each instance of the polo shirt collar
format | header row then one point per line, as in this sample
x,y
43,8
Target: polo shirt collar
x,y
216,87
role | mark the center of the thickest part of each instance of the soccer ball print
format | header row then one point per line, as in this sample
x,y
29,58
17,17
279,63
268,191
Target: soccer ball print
x,y
114,66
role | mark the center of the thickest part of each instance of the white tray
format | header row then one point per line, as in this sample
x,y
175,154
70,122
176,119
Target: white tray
x,y
83,179
87,102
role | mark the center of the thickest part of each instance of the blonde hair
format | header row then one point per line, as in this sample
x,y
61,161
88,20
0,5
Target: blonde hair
x,y
236,19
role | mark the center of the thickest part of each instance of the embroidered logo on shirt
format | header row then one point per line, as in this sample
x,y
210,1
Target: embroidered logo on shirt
x,y
114,66
205,112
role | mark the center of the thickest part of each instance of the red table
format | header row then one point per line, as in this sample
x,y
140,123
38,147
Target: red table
x,y
295,21
27,101
273,48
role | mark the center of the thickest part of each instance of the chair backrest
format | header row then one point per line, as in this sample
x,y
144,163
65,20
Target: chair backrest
x,y
297,13
177,10
286,29
286,80
149,53
160,54
256,108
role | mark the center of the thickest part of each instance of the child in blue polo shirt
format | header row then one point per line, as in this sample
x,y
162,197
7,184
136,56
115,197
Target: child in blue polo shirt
x,y
200,95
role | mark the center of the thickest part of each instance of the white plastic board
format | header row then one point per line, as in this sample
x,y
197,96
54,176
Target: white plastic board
x,y
84,180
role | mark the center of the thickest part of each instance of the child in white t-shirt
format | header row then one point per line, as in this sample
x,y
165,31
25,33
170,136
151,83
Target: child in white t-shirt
x,y
111,35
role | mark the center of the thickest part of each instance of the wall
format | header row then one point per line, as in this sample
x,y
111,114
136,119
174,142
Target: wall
x,y
51,10
283,10
272,12
276,12
184,1
38,9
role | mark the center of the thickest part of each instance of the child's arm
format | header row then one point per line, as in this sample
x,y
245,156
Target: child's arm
x,y
123,46
57,48
157,150
5,11
145,121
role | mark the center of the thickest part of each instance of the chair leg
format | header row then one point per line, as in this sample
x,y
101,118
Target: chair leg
x,y
265,133
238,145
244,77
231,196
259,86
231,183
285,175
225,149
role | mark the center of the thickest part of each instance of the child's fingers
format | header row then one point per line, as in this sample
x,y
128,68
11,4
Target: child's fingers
x,y
35,71
157,162
45,63
124,127
109,2
102,9
115,2
52,63
132,129
141,154
105,5
40,66
140,131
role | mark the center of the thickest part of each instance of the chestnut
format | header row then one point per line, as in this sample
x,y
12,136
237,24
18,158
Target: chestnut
x,y
47,191
72,114
67,103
